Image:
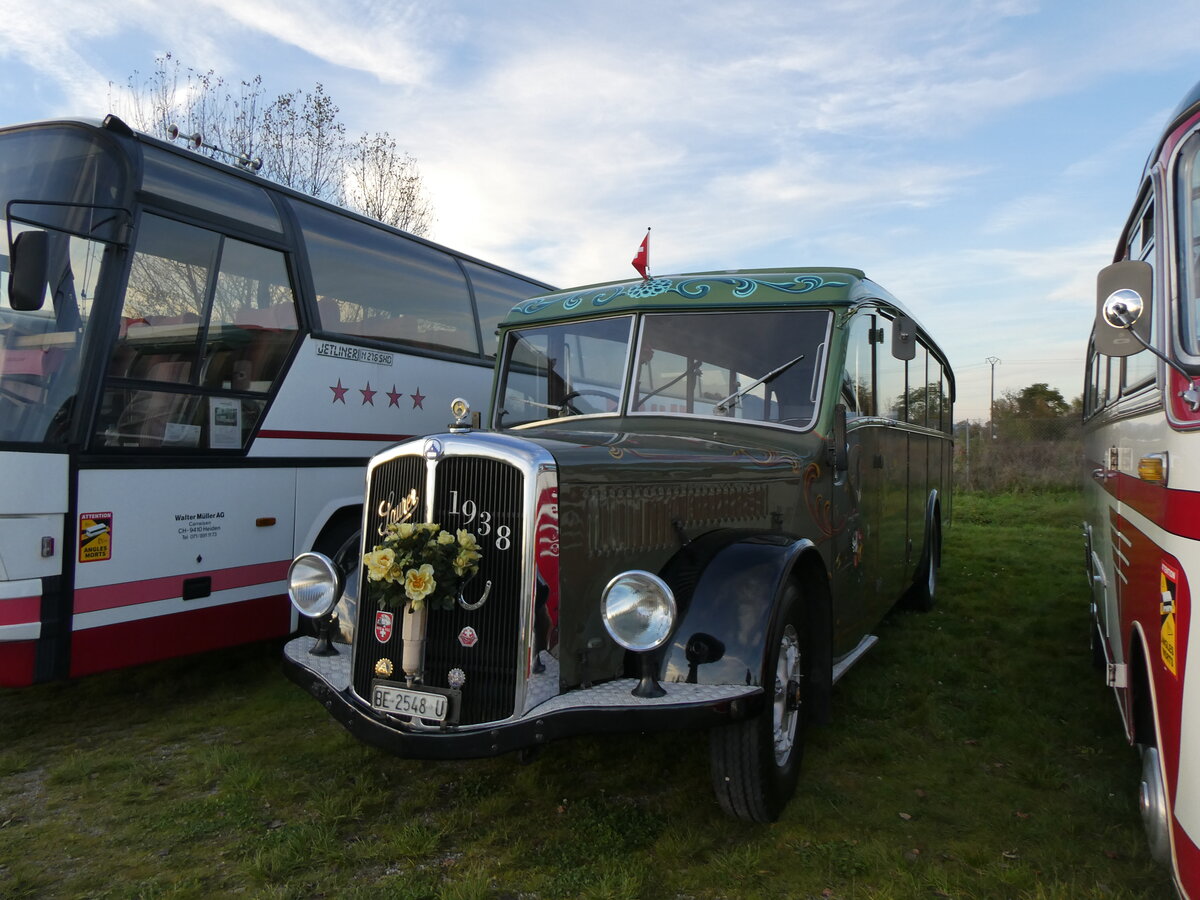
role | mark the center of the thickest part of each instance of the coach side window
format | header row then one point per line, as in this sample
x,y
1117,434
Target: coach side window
x,y
1141,368
370,285
890,375
858,381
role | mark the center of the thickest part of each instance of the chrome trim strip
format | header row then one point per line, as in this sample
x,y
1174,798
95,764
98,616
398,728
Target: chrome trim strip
x,y
842,666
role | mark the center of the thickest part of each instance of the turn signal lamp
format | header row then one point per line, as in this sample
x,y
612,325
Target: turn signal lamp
x,y
1153,468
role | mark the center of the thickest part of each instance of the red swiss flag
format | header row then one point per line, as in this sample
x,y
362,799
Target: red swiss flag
x,y
641,261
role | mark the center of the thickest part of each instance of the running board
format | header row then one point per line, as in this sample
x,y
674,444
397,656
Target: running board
x,y
842,666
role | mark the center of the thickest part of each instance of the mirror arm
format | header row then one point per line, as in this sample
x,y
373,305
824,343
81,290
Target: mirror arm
x,y
1191,396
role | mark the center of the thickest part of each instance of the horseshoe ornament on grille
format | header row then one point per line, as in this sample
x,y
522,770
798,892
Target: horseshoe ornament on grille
x,y
462,601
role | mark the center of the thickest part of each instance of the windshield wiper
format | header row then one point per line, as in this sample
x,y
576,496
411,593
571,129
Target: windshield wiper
x,y
693,369
729,402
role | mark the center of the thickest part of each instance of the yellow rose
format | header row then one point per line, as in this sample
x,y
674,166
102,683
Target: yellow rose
x,y
378,562
445,537
464,561
405,530
466,540
419,583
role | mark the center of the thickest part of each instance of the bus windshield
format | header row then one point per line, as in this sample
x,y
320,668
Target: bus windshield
x,y
56,177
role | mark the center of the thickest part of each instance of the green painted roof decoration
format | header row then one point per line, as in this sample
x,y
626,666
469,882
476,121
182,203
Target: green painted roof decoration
x,y
688,288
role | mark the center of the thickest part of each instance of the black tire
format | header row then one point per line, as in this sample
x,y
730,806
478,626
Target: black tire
x,y
922,593
755,762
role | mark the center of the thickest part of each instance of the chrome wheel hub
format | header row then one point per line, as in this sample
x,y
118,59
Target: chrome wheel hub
x,y
1152,799
786,706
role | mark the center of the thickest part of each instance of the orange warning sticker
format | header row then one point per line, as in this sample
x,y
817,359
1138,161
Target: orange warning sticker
x,y
1167,588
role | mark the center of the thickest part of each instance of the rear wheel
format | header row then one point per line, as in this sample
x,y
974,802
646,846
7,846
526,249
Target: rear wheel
x,y
922,594
755,763
1152,800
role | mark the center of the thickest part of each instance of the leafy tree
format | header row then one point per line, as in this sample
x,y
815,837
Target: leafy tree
x,y
298,138
1036,412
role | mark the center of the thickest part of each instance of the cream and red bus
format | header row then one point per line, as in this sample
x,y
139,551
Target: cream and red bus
x,y
1142,446
195,366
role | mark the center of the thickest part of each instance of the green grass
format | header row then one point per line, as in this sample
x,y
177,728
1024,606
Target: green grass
x,y
973,754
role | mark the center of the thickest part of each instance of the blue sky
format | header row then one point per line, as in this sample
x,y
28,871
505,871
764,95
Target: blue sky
x,y
978,159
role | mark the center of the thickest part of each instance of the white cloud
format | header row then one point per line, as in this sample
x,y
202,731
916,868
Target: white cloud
x,y
382,39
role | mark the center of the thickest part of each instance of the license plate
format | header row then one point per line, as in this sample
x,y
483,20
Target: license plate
x,y
399,701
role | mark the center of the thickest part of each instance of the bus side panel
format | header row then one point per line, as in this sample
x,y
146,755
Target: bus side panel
x,y
177,634
343,400
16,663
187,559
919,452
894,572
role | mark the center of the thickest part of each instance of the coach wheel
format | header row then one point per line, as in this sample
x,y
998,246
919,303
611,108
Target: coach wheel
x,y
755,762
1152,800
922,594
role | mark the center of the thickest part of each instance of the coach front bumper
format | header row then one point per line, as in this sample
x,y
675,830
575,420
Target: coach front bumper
x,y
603,708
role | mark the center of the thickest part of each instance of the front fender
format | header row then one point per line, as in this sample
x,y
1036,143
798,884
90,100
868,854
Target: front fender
x,y
722,635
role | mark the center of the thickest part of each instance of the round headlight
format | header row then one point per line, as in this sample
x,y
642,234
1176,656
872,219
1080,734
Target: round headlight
x,y
314,584
638,610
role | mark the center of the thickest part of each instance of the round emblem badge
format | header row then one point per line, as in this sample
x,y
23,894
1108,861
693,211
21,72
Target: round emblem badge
x,y
384,668
456,678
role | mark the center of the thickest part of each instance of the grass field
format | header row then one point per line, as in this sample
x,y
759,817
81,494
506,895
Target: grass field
x,y
973,754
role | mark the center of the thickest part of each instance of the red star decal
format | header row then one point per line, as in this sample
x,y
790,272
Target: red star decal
x,y
418,399
368,394
339,393
393,397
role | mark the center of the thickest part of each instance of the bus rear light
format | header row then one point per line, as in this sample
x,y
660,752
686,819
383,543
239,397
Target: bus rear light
x,y
1153,468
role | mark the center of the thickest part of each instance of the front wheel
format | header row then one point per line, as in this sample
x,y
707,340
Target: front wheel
x,y
755,763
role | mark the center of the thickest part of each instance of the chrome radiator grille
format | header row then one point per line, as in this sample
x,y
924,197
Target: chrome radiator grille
x,y
484,496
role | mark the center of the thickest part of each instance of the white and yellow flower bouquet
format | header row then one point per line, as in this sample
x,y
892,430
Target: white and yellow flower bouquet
x,y
422,564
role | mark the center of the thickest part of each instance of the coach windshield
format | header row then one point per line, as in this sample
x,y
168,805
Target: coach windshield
x,y
762,365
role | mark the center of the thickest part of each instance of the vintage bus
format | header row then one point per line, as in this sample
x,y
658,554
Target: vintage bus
x,y
195,366
1142,446
698,496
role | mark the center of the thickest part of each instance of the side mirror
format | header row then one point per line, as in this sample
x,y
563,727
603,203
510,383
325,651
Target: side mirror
x,y
1123,307
28,268
904,338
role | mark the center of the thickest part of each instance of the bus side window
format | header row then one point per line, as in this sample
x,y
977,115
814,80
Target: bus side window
x,y
253,320
369,285
859,375
1141,368
890,376
919,395
203,315
496,293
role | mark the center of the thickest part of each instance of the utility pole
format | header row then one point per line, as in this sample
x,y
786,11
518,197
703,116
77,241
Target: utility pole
x,y
992,407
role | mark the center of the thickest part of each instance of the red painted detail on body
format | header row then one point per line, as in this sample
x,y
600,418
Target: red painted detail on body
x,y
20,611
331,436
16,663
131,593
163,637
